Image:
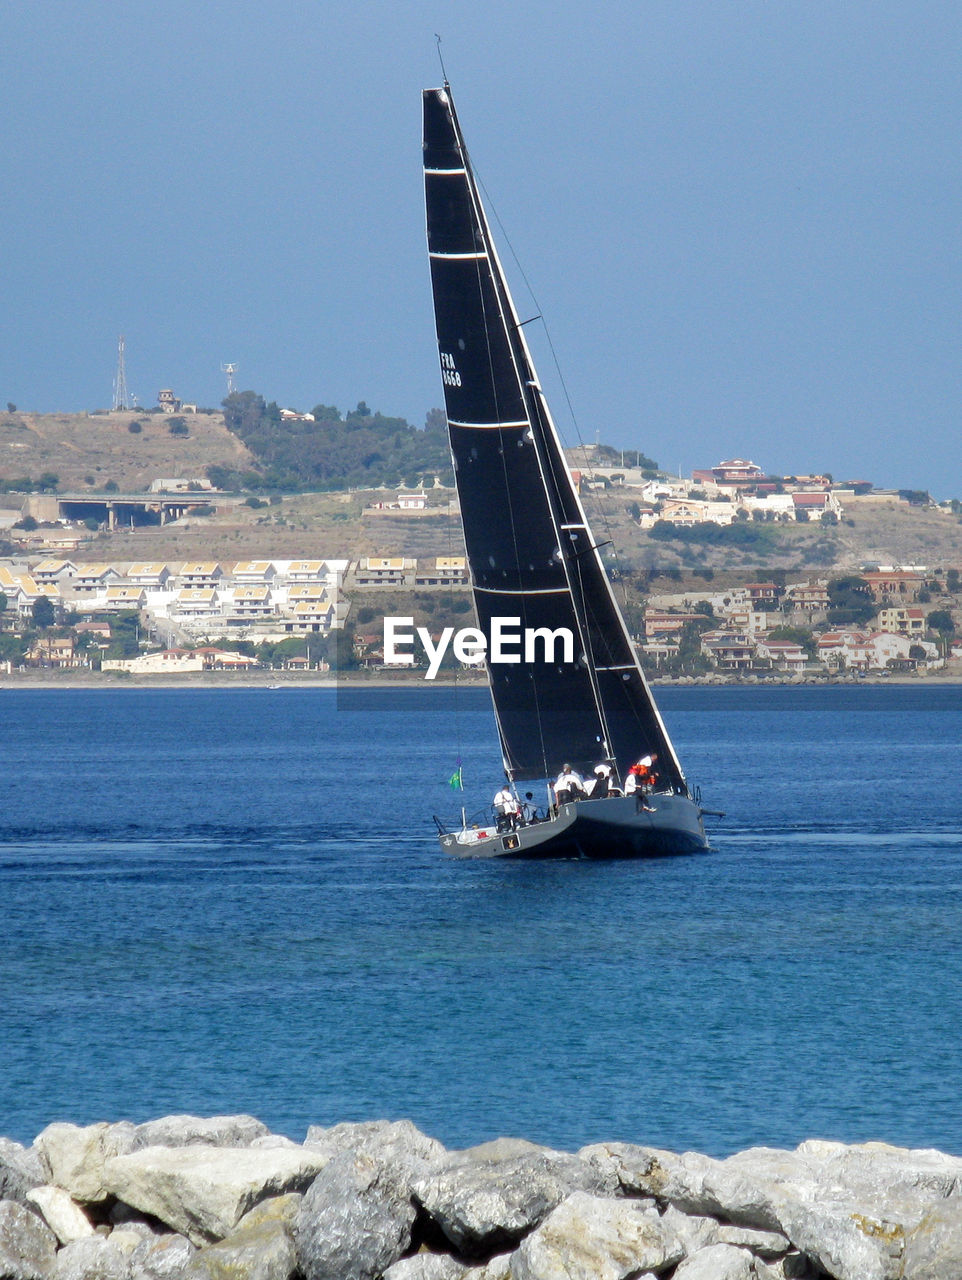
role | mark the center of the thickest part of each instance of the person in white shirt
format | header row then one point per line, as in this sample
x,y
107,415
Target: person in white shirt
x,y
506,807
569,786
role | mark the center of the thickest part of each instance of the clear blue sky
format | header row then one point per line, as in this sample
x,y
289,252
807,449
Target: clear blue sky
x,y
741,220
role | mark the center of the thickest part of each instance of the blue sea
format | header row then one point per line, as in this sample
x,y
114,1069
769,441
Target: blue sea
x,y
232,900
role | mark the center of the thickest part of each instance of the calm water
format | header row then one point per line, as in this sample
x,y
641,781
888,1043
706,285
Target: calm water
x,y
232,901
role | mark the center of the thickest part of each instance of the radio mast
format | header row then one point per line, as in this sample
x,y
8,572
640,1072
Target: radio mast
x,y
120,381
230,370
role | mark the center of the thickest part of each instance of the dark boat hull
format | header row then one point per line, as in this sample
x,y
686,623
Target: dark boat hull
x,y
610,828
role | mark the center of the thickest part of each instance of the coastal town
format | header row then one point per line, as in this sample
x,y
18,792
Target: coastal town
x,y
61,611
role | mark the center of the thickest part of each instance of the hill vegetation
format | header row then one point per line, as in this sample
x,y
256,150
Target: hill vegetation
x,y
362,449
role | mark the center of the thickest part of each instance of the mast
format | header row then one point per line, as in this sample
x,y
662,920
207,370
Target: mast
x,y
529,546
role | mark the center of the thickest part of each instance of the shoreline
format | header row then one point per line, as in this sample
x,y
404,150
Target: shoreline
x,y
285,680
205,1197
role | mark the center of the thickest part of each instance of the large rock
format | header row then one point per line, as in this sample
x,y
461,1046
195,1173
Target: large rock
x,y
933,1249
426,1266
73,1156
594,1238
192,1131
649,1171
202,1191
62,1215
262,1251
488,1206
95,1258
717,1262
28,1248
20,1170
164,1257
397,1143
355,1220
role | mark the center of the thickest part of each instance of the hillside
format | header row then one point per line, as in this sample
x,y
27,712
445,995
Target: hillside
x,y
86,451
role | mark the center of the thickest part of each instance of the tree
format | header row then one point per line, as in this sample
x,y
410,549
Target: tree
x,y
178,427
11,407
849,602
43,612
941,620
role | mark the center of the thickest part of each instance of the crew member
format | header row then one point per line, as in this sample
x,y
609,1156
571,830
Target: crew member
x,y
506,807
601,787
569,786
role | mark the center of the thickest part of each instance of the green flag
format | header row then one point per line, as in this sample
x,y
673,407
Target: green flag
x,y
455,781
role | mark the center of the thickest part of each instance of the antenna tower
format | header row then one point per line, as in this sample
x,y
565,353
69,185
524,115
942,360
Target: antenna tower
x,y
120,381
230,370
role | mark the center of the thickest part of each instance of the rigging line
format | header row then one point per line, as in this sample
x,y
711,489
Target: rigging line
x,y
444,74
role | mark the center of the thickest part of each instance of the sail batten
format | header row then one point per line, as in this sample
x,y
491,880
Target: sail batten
x,y
528,542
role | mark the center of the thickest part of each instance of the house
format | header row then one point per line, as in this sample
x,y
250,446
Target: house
x,y
54,571
91,578
253,572
894,582
253,601
784,655
411,501
168,401
908,622
381,571
200,573
657,623
225,659
728,651
306,571
164,662
446,571
763,592
813,503
811,596
196,602
147,574
51,651
120,598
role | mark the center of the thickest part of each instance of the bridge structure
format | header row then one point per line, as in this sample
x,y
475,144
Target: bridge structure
x,y
123,510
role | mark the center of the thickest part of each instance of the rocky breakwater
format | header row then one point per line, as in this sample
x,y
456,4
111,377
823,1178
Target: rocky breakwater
x,y
224,1199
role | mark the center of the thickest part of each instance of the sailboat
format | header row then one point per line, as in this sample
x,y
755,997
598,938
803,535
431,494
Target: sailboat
x,y
533,558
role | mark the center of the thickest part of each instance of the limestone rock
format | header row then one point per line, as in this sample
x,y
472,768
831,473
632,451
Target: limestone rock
x,y
94,1258
426,1266
73,1157
131,1236
161,1258
692,1231
280,1209
355,1220
933,1249
203,1191
28,1248
263,1251
717,1262
767,1245
20,1170
62,1215
190,1131
398,1143
649,1171
490,1206
496,1268
593,1238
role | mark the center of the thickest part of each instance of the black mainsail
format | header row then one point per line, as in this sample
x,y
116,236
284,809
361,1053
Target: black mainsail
x,y
531,553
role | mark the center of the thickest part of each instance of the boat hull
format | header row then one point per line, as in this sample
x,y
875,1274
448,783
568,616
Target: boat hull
x,y
611,828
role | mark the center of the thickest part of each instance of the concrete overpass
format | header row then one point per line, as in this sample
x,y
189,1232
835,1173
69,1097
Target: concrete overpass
x,y
121,510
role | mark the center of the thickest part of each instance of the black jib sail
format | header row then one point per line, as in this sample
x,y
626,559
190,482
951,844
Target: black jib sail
x,y
531,553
